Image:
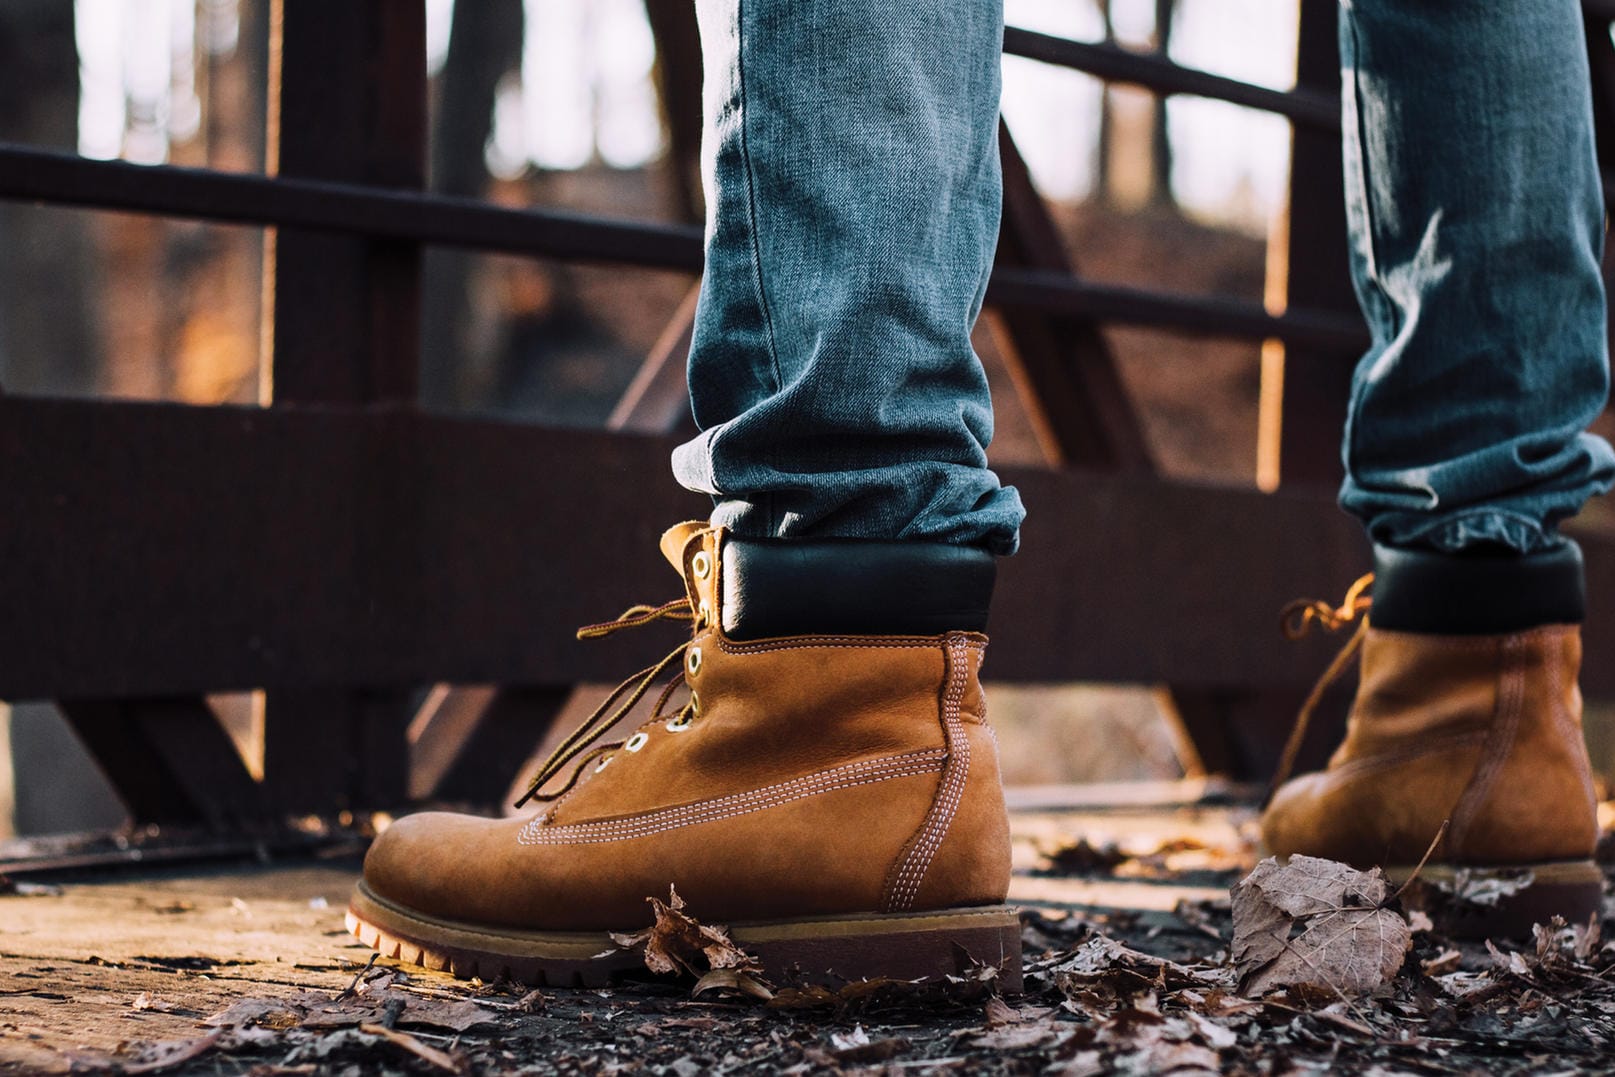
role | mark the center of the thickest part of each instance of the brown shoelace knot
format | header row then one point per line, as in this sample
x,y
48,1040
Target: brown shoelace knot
x,y
616,706
1295,622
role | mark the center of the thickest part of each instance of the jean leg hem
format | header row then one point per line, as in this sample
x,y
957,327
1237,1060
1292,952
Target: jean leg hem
x,y
1490,527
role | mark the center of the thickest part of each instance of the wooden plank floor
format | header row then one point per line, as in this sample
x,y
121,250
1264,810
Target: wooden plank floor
x,y
140,956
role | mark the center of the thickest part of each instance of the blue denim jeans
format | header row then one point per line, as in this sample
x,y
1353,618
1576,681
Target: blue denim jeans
x,y
850,161
1477,225
852,185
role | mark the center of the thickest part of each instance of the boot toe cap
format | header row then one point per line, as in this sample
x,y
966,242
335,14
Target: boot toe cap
x,y
438,863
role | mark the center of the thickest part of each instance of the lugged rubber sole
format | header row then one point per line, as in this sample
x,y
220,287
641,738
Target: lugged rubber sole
x,y
899,946
1573,889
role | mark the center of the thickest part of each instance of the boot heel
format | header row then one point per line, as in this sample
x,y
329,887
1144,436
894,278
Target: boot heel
x,y
1572,889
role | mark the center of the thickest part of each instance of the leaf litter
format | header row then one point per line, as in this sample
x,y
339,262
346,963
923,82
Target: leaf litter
x,y
1309,967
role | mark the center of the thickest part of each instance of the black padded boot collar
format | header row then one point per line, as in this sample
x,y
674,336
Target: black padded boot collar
x,y
787,587
1477,593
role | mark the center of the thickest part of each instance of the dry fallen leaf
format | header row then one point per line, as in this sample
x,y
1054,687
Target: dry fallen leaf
x,y
256,1012
425,1052
1081,1064
1000,1013
312,1010
734,980
679,943
1102,956
1486,890
162,1056
1047,1035
1513,963
1082,857
1315,922
857,1046
1561,946
1179,1059
1446,961
1195,914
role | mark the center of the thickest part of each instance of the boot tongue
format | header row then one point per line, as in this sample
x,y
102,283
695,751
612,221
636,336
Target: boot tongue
x,y
676,538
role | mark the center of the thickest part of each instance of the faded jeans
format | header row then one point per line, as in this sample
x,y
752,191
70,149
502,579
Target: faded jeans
x,y
1477,225
851,172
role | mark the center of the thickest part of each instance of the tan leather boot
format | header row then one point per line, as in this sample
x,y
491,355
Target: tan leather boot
x,y
1477,731
833,798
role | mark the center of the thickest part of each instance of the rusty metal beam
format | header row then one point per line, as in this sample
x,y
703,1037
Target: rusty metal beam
x,y
63,178
473,745
29,174
1120,579
1318,330
169,759
347,104
1317,378
657,401
1062,366
1110,62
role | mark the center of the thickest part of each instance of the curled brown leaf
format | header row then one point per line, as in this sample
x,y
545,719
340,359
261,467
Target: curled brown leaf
x,y
1316,922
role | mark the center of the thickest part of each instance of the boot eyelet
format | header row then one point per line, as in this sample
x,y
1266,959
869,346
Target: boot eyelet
x,y
701,565
637,741
598,767
693,660
678,723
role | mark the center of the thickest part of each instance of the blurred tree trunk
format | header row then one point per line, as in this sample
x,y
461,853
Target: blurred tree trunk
x,y
485,44
1144,141
1103,190
48,342
1160,137
253,54
678,89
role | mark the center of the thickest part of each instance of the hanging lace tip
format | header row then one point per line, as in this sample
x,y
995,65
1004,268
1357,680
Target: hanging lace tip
x,y
525,797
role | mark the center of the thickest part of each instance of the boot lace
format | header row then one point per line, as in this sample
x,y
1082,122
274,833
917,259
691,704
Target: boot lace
x,y
1295,622
577,745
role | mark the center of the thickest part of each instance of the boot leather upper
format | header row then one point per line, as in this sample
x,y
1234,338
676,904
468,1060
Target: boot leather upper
x,y
1481,731
818,776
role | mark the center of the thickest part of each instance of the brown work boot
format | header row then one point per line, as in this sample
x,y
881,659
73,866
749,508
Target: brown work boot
x,y
830,790
1467,716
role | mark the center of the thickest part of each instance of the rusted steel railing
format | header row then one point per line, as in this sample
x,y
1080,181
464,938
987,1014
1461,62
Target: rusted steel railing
x,y
343,551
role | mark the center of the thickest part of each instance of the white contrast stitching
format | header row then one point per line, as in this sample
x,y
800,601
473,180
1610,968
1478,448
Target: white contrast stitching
x,y
1500,736
907,885
866,772
1382,761
1569,725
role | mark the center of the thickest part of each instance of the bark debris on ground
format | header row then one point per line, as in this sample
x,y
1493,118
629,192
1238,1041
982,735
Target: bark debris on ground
x,y
1305,968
